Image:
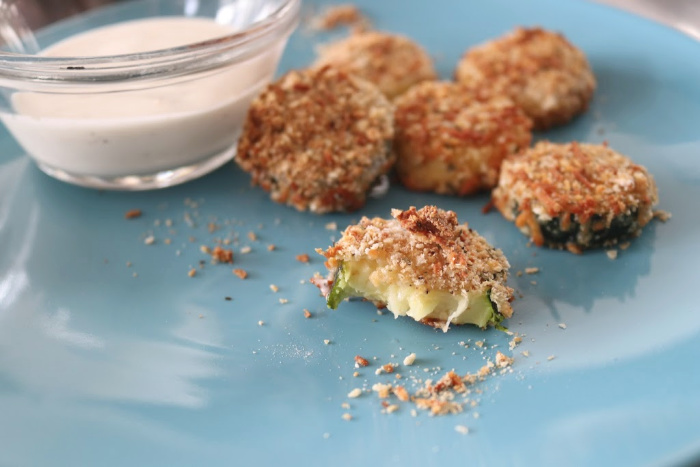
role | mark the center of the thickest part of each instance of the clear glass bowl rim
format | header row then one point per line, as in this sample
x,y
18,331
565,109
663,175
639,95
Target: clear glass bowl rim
x,y
164,63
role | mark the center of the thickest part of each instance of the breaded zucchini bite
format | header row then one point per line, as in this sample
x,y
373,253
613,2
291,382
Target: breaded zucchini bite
x,y
540,70
391,61
575,196
318,139
451,139
421,264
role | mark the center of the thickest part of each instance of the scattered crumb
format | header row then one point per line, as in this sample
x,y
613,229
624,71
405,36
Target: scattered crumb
x,y
283,301
245,250
241,273
340,15
166,241
514,342
274,288
326,341
410,359
133,214
222,255
438,407
331,226
307,313
361,361
551,357
345,406
357,392
347,416
661,215
192,272
303,258
382,390
252,236
128,264
150,240
519,273
612,254
624,246
391,408
271,247
205,249
228,299
401,393
261,323
502,360
532,270
356,374
461,429
525,353
533,282
562,325
136,274
212,227
479,343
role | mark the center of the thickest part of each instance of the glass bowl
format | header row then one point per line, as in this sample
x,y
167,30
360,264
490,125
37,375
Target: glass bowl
x,y
140,94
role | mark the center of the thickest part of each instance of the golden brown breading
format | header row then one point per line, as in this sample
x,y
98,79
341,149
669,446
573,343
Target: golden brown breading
x,y
426,249
540,70
391,61
318,139
451,139
585,189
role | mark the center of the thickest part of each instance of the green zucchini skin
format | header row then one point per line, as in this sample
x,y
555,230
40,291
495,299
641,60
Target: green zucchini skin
x,y
622,227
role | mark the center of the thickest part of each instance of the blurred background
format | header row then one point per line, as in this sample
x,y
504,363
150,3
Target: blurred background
x,y
681,14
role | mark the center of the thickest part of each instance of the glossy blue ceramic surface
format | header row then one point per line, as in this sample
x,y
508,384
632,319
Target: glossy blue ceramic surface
x,y
104,364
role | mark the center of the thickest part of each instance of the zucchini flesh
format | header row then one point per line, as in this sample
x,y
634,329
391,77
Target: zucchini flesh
x,y
357,279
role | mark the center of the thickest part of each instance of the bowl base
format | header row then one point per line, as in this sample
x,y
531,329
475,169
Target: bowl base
x,y
141,182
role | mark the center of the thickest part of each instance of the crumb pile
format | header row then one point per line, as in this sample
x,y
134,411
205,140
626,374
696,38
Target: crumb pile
x,y
317,140
540,70
450,393
451,139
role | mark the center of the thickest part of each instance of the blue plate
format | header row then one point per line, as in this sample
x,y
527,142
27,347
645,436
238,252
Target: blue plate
x,y
107,364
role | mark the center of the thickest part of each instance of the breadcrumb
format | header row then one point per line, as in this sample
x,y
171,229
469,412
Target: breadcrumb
x,y
357,392
341,15
361,361
409,359
133,214
303,258
241,273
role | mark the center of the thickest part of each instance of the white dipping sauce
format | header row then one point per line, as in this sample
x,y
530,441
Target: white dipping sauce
x,y
142,131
